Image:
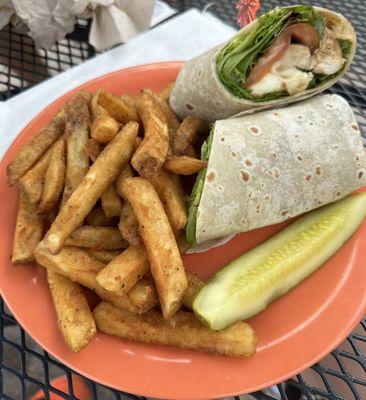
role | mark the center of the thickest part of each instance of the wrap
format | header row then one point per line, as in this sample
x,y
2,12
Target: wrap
x,y
270,166
213,85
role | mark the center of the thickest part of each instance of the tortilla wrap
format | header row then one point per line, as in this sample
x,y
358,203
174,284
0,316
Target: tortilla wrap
x,y
199,91
276,164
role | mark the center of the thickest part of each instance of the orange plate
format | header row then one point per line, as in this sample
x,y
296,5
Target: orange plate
x,y
293,333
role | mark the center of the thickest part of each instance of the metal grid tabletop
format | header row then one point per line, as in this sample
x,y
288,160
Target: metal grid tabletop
x,y
25,367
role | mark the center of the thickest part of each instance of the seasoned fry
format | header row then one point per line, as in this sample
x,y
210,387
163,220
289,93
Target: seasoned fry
x,y
77,136
137,143
28,231
171,195
191,152
194,286
80,267
126,172
165,93
184,165
96,217
151,154
184,331
32,151
32,182
74,318
54,179
104,256
96,109
129,99
144,294
97,238
93,149
122,273
128,225
111,202
104,170
184,135
157,235
104,128
117,107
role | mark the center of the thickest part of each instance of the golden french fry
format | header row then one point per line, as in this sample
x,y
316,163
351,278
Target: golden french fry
x,y
104,256
32,151
191,152
104,170
77,136
122,273
96,217
96,109
137,143
126,172
111,202
184,135
54,179
104,128
32,182
157,235
129,99
194,286
77,265
165,93
118,108
97,238
151,154
128,225
184,331
171,195
93,149
184,165
28,231
74,318
143,294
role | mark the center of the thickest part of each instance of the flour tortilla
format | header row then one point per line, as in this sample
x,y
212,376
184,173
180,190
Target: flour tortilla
x,y
277,164
198,90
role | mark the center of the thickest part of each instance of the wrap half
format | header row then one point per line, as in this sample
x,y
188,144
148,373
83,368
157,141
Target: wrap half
x,y
286,55
270,166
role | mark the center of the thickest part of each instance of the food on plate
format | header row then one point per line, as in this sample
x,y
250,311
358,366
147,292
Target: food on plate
x,y
171,195
194,286
96,108
184,331
54,179
104,128
33,151
93,149
96,238
124,271
111,202
274,165
74,318
286,55
128,225
117,108
77,128
28,231
97,217
249,283
157,235
184,165
104,256
185,134
104,170
151,154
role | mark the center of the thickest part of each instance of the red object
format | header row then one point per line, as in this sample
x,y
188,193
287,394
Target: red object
x,y
293,333
247,10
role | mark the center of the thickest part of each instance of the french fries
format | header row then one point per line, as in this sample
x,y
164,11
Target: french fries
x,y
185,133
104,256
184,165
157,235
122,273
184,331
96,238
143,295
74,318
118,108
32,151
128,225
54,179
151,154
77,136
104,170
96,109
28,231
171,195
80,267
166,92
104,128
93,149
111,202
194,286
129,99
96,217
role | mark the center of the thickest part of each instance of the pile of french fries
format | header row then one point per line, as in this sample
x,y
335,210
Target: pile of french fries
x,y
102,206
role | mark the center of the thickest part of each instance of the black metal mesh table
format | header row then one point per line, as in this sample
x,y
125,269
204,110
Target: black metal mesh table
x,y
26,368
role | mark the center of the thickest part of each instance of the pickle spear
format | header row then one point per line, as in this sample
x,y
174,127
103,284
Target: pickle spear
x,y
248,284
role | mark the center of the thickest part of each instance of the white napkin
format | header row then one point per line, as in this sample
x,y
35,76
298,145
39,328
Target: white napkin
x,y
181,38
